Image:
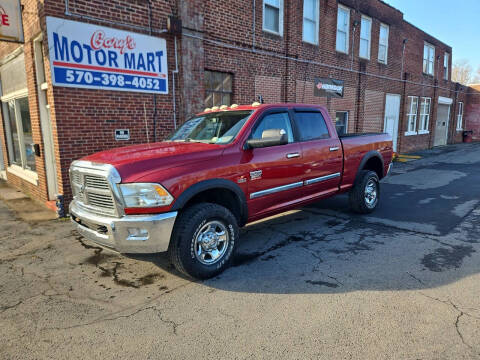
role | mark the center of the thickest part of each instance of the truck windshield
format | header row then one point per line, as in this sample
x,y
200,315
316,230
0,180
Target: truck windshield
x,y
214,128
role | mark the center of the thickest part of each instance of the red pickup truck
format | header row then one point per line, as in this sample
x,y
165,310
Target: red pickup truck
x,y
222,169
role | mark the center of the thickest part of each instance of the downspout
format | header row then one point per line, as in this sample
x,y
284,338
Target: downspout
x,y
403,58
254,26
154,95
67,8
174,72
355,24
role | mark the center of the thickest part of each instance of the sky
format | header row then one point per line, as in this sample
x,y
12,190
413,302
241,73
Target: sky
x,y
455,23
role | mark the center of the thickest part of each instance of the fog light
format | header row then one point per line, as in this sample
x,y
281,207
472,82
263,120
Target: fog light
x,y
137,234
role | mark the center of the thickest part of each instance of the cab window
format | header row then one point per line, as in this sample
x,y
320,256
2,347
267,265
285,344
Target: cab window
x,y
279,121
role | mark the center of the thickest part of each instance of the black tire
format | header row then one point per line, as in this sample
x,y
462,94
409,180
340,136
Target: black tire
x,y
182,250
358,199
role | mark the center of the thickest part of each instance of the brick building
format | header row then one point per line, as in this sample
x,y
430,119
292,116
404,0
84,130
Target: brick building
x,y
389,75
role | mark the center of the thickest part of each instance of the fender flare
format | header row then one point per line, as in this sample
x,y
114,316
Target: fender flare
x,y
201,186
369,155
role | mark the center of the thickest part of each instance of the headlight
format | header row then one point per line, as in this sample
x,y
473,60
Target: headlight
x,y
145,195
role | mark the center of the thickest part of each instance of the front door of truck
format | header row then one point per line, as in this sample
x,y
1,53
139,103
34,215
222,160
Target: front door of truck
x,y
274,174
322,153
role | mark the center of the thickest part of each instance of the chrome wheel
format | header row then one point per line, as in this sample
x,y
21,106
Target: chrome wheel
x,y
371,193
211,242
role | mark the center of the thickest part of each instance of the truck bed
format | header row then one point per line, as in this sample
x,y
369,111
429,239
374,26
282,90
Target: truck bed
x,y
356,146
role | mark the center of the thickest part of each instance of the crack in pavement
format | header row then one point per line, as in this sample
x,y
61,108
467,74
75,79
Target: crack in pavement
x,y
415,278
172,323
460,314
7,307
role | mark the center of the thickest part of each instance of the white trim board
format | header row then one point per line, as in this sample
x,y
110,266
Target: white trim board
x,y
445,100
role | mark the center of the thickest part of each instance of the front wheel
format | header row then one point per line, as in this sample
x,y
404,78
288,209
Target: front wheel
x,y
203,240
365,194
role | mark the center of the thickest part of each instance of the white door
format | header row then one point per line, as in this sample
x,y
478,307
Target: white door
x,y
441,125
392,115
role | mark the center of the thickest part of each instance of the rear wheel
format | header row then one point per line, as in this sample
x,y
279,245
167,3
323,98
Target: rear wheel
x,y
203,240
365,194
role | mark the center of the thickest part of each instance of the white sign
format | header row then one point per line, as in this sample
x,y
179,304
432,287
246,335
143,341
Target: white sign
x,y
96,57
122,134
11,28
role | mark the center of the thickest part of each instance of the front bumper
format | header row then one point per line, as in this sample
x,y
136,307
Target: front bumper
x,y
128,234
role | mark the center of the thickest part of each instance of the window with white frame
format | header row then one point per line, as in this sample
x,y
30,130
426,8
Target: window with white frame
x,y
16,117
428,58
412,115
365,37
343,28
311,21
460,116
341,122
425,106
19,132
383,43
273,16
446,63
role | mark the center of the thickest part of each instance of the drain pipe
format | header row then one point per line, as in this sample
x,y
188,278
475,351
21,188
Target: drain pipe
x,y
67,9
150,21
174,73
254,25
355,24
403,57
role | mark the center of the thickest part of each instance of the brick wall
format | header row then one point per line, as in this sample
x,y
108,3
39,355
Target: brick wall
x,y
31,25
472,111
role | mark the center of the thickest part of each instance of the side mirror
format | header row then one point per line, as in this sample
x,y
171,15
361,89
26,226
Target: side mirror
x,y
270,137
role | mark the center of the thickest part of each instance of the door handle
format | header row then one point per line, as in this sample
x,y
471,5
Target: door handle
x,y
293,155
336,148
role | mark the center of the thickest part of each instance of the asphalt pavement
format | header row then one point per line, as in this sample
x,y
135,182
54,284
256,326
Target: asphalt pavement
x,y
315,283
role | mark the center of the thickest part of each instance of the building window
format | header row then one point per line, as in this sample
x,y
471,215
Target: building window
x,y
343,28
365,37
311,126
341,122
383,43
460,116
218,88
428,58
425,106
19,132
412,115
273,16
311,21
446,61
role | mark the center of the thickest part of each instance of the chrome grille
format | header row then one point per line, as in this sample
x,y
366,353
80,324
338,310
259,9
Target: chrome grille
x,y
76,178
100,200
96,182
92,189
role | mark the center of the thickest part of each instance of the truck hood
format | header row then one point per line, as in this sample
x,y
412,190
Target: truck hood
x,y
136,161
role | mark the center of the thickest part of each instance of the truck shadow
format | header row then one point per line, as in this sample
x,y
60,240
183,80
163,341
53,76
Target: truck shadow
x,y
306,251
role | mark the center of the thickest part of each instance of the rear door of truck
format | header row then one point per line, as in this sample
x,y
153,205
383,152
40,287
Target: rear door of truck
x,y
321,149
